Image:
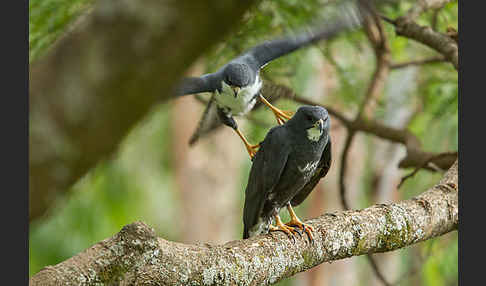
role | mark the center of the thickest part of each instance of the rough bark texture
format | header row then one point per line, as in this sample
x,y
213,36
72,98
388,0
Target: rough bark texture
x,y
104,76
136,256
442,43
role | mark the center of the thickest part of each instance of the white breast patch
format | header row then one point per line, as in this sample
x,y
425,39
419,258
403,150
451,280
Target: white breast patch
x,y
308,169
240,104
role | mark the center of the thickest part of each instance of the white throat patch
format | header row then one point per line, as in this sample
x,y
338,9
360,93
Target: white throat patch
x,y
243,102
314,134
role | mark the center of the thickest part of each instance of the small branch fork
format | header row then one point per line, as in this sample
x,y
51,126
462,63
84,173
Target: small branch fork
x,y
426,162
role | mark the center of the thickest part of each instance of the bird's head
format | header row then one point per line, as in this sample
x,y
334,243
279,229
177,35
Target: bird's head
x,y
237,76
314,120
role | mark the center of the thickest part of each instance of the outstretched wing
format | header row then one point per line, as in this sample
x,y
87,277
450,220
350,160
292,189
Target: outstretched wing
x,y
267,167
260,55
205,83
321,171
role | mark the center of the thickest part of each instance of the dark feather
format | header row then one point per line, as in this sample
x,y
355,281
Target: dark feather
x,y
205,83
322,169
268,165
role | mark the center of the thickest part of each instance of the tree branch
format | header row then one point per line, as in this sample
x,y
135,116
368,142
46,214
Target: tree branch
x,y
136,256
432,60
427,36
415,155
342,169
104,76
426,161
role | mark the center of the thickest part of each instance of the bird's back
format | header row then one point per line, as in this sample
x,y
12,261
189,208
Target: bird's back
x,y
267,167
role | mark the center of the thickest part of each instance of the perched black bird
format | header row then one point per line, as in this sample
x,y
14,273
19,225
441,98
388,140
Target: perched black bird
x,y
236,86
291,160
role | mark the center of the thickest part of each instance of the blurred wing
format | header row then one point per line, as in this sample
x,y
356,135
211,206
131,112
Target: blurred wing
x,y
209,122
321,171
267,167
268,51
205,83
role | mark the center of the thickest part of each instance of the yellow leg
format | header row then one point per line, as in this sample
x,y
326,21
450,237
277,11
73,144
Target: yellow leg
x,y
295,221
250,148
280,226
279,114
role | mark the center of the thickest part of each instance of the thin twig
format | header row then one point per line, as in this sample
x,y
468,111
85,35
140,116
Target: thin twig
x,y
377,271
439,59
342,171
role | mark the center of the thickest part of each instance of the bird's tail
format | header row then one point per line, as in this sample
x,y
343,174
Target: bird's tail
x,y
260,227
246,234
208,123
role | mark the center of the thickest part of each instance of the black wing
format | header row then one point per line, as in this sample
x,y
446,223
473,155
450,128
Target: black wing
x,y
267,167
205,83
260,55
322,169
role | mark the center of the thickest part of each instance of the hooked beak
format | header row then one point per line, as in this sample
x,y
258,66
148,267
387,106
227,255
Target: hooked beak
x,y
319,124
236,90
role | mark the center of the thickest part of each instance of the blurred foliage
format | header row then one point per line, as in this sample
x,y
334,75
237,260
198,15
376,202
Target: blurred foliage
x,y
137,183
48,19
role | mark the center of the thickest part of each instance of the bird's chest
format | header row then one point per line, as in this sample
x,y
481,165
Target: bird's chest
x,y
306,160
307,169
240,104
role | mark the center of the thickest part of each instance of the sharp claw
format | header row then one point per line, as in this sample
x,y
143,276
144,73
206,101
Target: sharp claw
x,y
289,231
304,227
307,229
298,231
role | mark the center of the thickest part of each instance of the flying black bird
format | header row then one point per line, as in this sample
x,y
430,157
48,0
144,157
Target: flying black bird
x,y
236,86
291,160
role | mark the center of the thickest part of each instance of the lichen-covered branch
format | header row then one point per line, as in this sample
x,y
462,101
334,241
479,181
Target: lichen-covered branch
x,y
102,77
136,256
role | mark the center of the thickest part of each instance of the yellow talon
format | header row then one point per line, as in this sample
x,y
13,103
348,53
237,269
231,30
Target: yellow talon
x,y
282,227
279,114
295,221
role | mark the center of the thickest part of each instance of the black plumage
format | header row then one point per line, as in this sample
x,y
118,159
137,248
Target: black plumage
x,y
291,160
